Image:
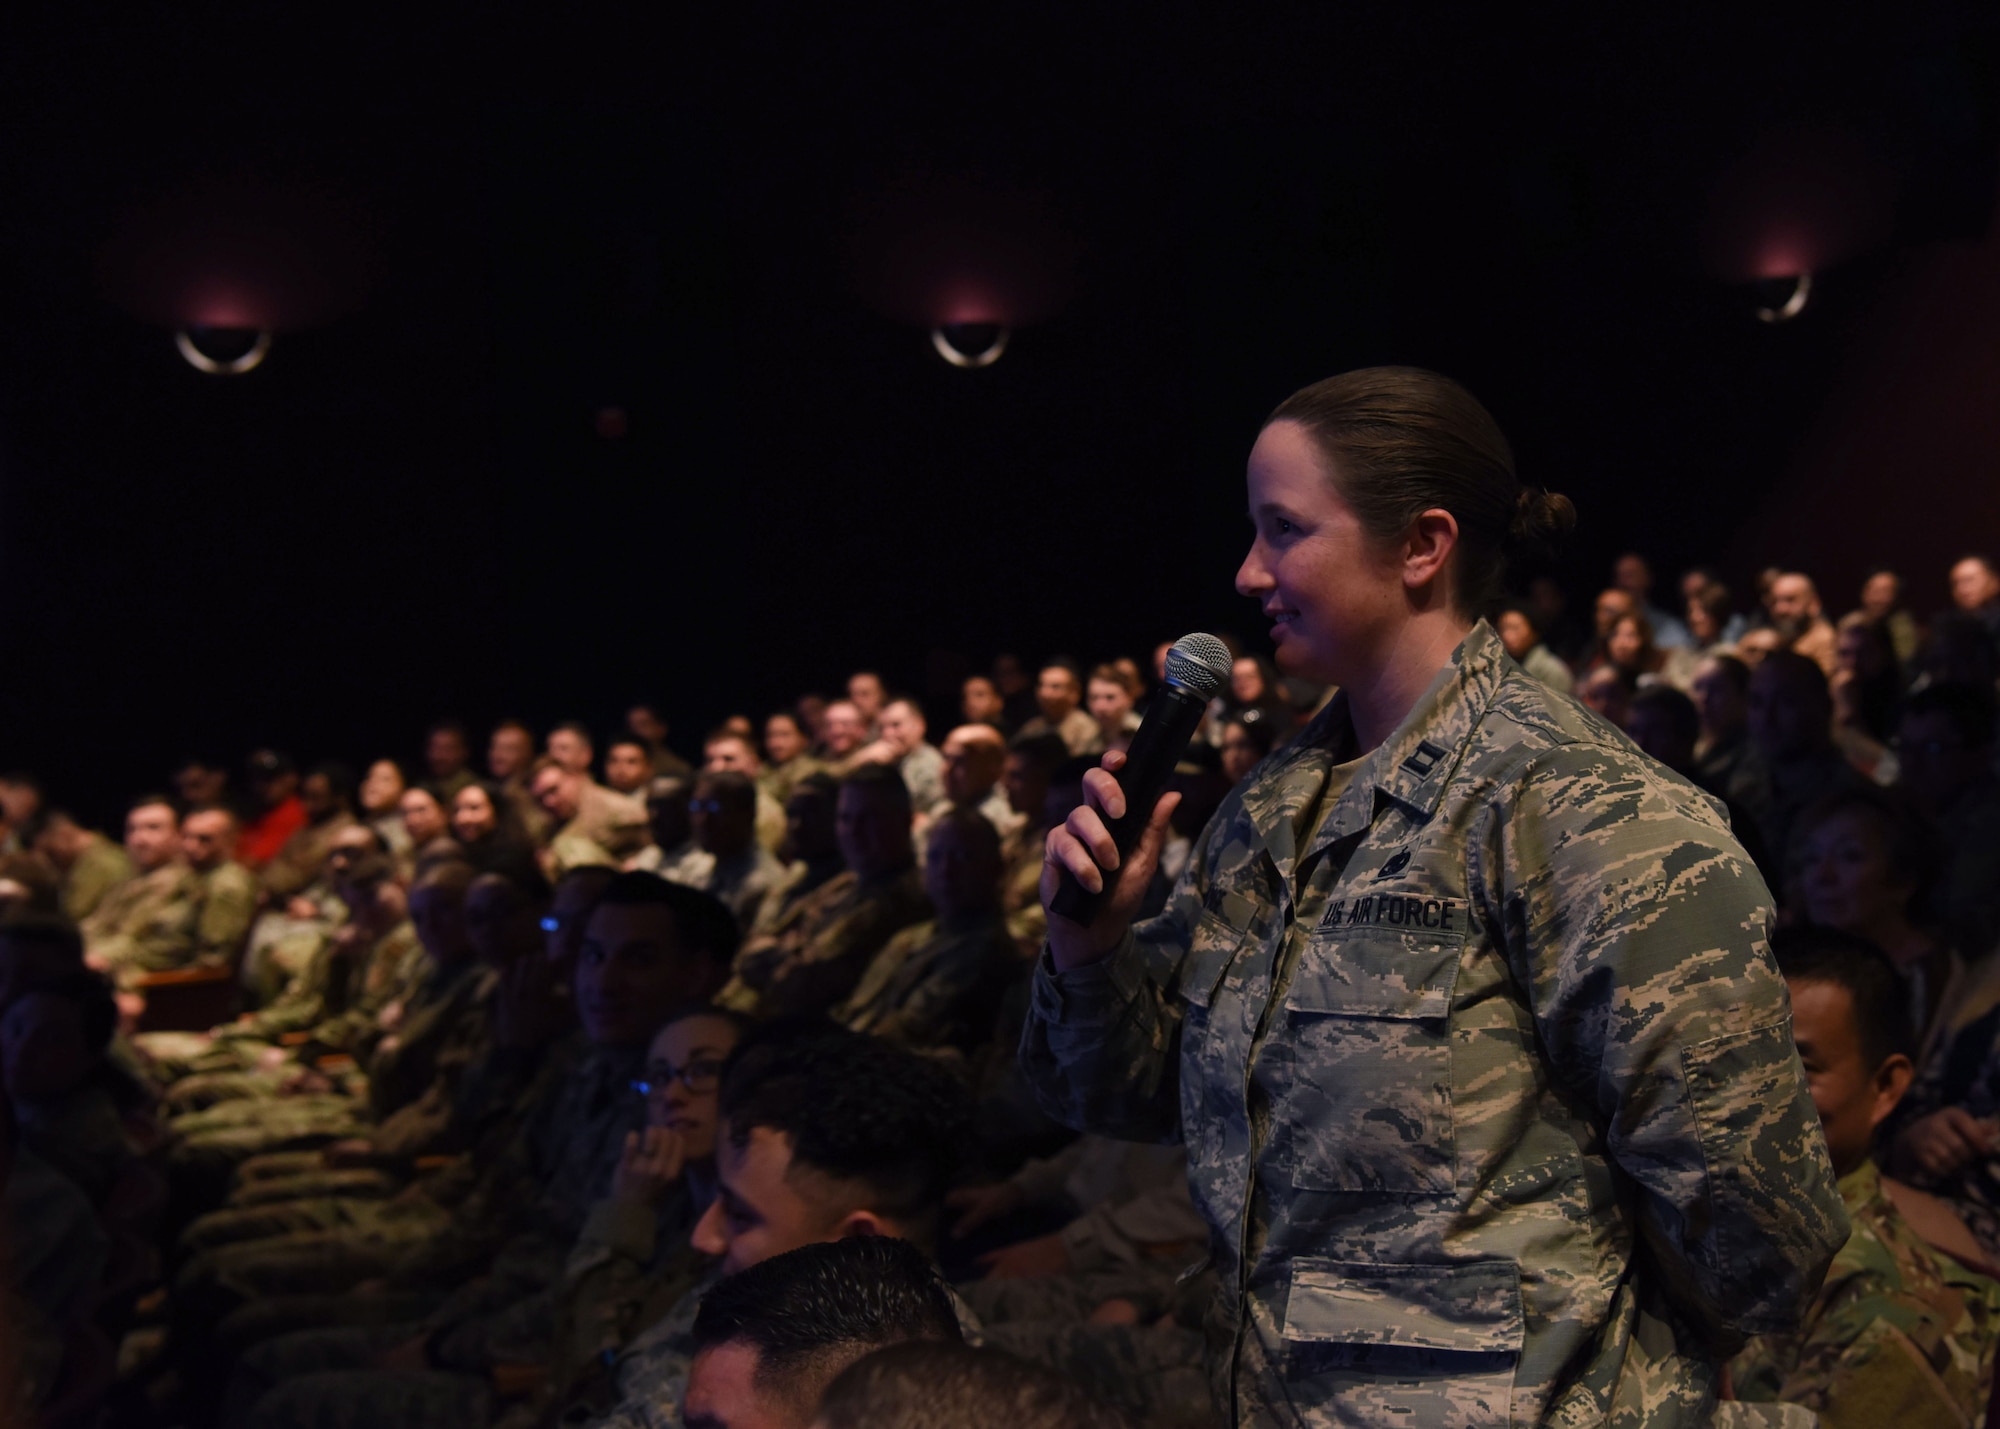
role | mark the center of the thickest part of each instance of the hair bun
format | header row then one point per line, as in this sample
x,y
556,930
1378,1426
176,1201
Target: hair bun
x,y
1541,518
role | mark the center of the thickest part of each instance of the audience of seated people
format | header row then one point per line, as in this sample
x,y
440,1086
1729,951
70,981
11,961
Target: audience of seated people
x,y
619,1092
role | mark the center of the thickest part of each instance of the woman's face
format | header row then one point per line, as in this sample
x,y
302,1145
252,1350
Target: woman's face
x,y
1239,755
697,1046
1246,681
1334,595
1625,647
473,816
1849,882
382,790
1701,625
421,816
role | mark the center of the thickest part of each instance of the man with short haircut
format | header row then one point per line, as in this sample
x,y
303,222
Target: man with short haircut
x,y
1975,589
593,824
88,865
737,869
979,702
1032,762
975,758
768,1340
225,891
843,736
1791,726
324,795
727,749
813,845
1801,623
902,741
510,763
811,957
942,1386
938,984
1059,696
868,695
644,721
146,924
628,768
447,759
832,1138
1898,1333
1945,745
569,745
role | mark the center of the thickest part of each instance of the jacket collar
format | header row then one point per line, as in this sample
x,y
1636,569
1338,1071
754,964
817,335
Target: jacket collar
x,y
1411,767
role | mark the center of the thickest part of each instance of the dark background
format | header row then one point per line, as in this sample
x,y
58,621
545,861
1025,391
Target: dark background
x,y
409,510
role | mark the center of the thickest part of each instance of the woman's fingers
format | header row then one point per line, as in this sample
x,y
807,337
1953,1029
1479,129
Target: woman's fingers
x,y
1065,850
1101,790
1088,829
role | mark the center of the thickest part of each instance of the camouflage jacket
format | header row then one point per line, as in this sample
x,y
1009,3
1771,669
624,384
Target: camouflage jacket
x,y
935,984
812,955
1899,1334
146,924
1443,1063
101,867
227,900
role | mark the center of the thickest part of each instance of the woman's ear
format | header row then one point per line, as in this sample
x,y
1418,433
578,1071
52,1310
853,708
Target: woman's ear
x,y
1428,548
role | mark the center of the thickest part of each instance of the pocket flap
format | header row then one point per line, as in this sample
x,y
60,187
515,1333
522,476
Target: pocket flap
x,y
1210,952
1378,973
1473,1306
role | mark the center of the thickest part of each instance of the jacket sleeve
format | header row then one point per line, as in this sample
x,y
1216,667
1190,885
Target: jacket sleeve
x,y
1639,928
1101,1047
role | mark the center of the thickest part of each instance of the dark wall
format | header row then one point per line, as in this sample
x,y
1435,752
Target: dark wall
x,y
410,511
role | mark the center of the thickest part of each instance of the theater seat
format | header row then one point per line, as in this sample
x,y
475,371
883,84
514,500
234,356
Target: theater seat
x,y
187,999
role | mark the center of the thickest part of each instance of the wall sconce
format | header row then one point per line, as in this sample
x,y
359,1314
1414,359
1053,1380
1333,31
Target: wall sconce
x,y
970,344
223,351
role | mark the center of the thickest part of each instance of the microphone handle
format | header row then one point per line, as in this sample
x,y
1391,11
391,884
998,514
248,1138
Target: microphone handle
x,y
1157,746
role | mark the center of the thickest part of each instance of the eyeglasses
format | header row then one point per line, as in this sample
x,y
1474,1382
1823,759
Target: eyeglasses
x,y
702,1075
553,923
704,806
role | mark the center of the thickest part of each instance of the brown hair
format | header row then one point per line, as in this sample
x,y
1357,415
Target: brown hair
x,y
1400,441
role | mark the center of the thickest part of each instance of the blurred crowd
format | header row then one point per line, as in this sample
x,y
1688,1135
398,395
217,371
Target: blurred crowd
x,y
562,1080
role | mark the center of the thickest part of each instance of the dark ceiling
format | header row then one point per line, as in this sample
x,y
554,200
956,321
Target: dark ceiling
x,y
410,509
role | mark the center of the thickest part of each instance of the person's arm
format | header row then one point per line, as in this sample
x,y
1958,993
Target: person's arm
x,y
1101,1048
1639,929
225,920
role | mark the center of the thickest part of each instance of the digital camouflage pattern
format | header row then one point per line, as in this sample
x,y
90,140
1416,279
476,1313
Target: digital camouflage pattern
x,y
1898,1334
1441,1064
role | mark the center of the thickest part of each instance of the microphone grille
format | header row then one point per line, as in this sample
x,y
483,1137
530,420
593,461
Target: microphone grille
x,y
1199,664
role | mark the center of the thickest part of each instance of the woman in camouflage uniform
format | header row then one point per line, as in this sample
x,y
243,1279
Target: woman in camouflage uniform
x,y
1464,1007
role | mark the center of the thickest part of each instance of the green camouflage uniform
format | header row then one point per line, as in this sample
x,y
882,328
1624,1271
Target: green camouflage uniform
x,y
935,984
101,867
299,862
146,924
1442,1059
811,956
1899,1333
609,828
227,898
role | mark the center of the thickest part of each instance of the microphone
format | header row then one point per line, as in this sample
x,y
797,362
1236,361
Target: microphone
x,y
1198,666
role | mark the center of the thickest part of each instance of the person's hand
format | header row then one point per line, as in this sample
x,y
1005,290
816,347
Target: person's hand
x,y
1083,845
982,1204
1045,1255
272,1058
1945,1141
1115,1312
649,1166
355,1151
303,909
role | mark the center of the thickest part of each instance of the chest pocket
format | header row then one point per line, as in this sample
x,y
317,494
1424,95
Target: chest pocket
x,y
1211,1068
1364,1094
